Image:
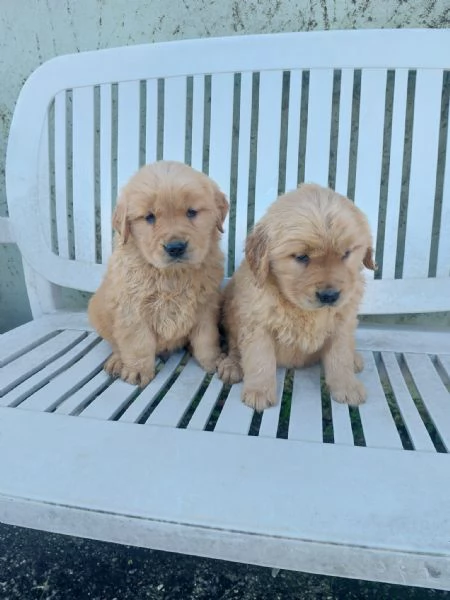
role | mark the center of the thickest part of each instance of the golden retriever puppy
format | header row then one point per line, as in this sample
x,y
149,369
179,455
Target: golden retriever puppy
x,y
161,290
294,299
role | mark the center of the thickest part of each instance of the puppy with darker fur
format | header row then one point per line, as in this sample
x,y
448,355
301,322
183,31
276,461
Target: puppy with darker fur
x,y
162,287
294,300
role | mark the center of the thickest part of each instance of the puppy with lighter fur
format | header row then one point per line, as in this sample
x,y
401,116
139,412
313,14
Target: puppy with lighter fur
x,y
162,287
294,300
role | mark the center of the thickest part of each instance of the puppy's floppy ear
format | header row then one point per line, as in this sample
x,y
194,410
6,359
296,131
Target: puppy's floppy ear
x,y
120,219
368,260
257,254
222,208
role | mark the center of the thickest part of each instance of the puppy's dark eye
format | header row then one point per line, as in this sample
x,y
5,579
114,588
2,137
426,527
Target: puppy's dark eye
x,y
150,218
191,213
302,258
346,254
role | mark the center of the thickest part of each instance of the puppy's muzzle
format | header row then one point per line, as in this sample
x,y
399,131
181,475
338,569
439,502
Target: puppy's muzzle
x,y
328,296
176,248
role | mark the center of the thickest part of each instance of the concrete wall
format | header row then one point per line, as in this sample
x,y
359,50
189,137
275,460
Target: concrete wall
x,y
32,31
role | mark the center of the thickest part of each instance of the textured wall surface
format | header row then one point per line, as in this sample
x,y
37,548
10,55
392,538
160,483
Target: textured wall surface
x,y
32,31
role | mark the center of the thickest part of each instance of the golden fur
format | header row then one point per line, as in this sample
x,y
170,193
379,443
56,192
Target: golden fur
x,y
149,301
310,241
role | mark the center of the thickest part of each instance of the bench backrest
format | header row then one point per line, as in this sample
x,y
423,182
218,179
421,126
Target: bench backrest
x,y
365,112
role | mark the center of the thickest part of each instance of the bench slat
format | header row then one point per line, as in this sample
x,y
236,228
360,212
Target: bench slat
x,y
271,417
143,402
198,120
342,426
31,384
344,132
122,476
434,394
306,407
222,89
414,424
37,358
204,410
427,111
179,397
370,144
235,417
61,174
395,173
376,418
127,131
76,401
268,144
174,118
213,475
18,341
106,199
67,382
83,174
293,129
151,120
44,190
443,259
444,361
243,166
108,403
317,156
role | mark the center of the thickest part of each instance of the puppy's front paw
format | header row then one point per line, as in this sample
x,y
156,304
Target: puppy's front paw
x,y
140,376
209,363
358,362
259,399
353,393
229,370
114,365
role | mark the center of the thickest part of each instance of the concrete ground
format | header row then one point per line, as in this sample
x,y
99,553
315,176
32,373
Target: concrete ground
x,y
42,566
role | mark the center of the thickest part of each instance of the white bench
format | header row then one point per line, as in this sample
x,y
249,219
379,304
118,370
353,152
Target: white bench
x,y
183,465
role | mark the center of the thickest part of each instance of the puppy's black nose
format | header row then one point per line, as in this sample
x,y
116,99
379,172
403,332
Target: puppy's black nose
x,y
328,296
176,248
